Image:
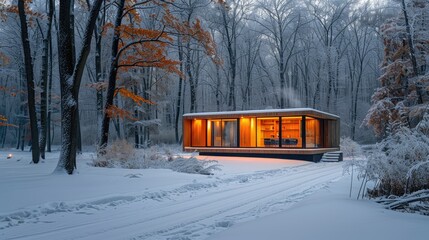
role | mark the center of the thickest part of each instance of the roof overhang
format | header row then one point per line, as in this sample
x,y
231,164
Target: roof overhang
x,y
264,113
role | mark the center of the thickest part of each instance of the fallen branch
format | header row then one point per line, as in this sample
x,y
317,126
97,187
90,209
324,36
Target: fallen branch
x,y
405,202
414,202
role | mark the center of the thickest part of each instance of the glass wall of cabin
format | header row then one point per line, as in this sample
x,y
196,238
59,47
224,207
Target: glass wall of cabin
x,y
247,132
267,132
198,133
222,133
285,132
292,132
313,134
214,133
229,133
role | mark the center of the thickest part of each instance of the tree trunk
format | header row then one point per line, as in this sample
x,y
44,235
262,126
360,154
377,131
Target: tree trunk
x,y
409,39
48,118
98,75
355,101
98,70
68,104
30,82
79,133
316,97
412,54
231,47
179,91
218,83
21,111
192,86
136,116
44,83
24,133
3,137
330,79
19,136
70,78
112,78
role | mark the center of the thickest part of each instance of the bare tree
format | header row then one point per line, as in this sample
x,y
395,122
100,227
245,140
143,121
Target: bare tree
x,y
70,77
280,23
333,19
361,47
44,79
250,53
30,82
232,13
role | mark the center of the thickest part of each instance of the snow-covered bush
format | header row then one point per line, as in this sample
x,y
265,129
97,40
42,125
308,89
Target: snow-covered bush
x,y
118,154
121,154
350,149
398,165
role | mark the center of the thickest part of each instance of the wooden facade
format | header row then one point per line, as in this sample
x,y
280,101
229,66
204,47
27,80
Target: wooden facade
x,y
297,133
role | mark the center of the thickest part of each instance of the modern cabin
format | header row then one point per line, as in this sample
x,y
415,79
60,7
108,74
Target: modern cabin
x,y
294,133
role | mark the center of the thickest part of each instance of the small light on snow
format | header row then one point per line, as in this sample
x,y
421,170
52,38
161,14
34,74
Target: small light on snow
x,y
9,156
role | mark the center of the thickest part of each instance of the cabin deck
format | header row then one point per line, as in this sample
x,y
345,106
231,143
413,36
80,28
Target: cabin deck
x,y
309,154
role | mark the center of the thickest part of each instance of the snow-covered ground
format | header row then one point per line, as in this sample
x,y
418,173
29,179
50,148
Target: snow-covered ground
x,y
331,214
103,203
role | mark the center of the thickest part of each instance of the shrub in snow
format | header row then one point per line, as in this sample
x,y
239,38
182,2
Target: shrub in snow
x,y
121,154
350,149
118,154
398,165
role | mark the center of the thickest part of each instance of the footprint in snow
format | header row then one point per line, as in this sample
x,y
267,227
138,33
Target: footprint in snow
x,y
132,175
224,224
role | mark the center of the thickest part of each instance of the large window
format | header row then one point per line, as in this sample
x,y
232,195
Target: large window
x,y
291,132
268,132
214,133
222,133
198,133
247,132
229,132
313,136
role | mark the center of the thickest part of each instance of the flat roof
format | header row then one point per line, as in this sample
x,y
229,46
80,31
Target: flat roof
x,y
264,113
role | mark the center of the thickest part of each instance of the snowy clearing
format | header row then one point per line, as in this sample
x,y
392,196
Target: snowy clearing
x,y
331,214
110,203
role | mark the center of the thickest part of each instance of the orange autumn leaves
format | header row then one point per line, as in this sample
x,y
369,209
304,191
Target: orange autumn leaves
x,y
137,99
116,112
7,8
3,122
194,31
143,47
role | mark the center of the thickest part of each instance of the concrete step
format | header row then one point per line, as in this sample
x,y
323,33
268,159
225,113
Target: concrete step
x,y
332,157
328,160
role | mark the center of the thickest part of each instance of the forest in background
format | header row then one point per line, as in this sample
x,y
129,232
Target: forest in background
x,y
148,62
267,54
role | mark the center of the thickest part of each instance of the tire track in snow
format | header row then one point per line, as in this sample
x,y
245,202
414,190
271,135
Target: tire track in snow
x,y
181,217
29,214
253,199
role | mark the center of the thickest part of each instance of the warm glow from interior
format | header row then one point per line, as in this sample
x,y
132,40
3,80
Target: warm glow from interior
x,y
247,132
272,132
209,133
268,132
198,132
313,134
291,132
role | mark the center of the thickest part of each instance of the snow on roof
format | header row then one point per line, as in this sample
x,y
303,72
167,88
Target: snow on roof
x,y
250,112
